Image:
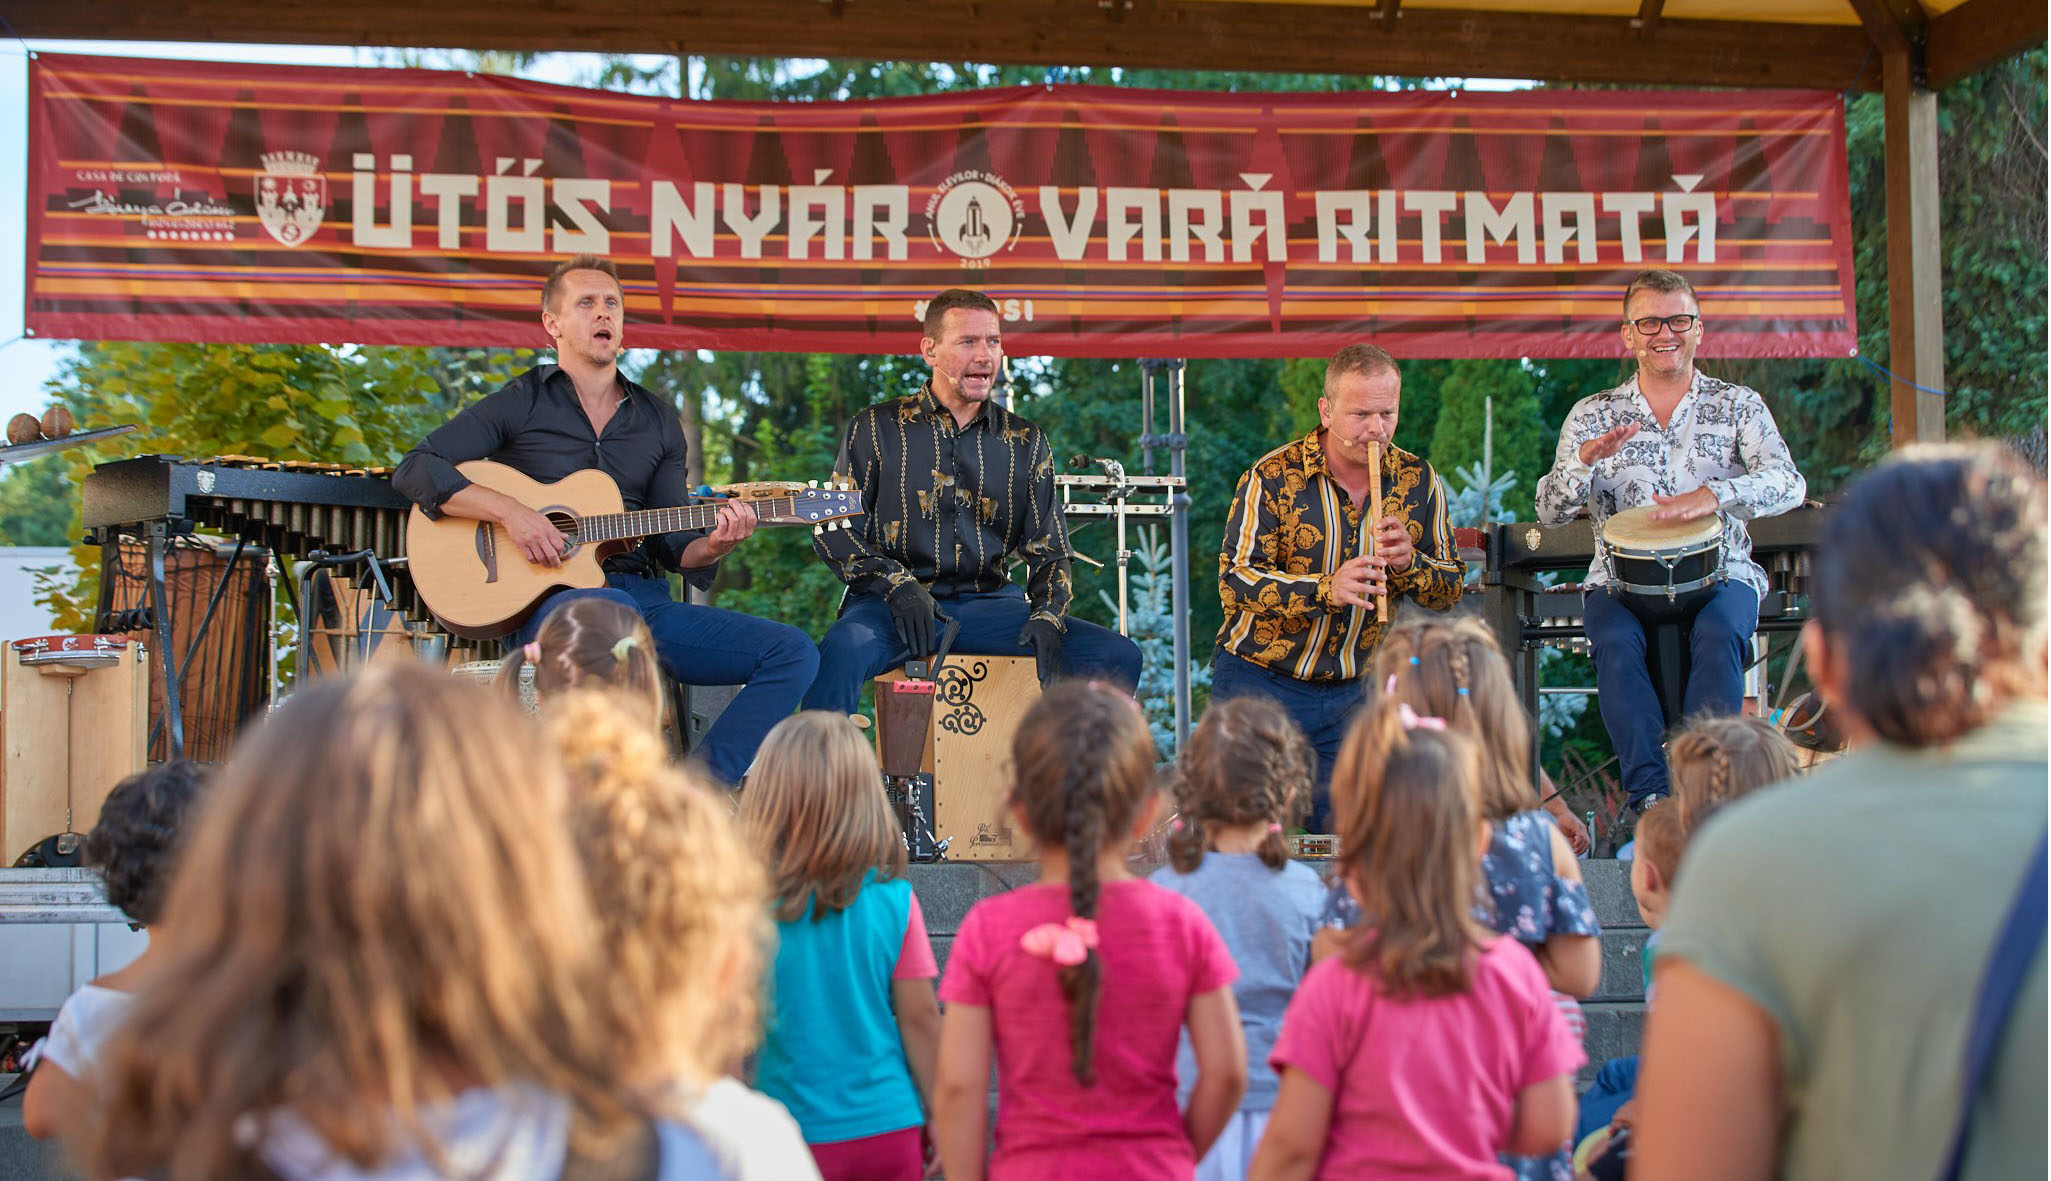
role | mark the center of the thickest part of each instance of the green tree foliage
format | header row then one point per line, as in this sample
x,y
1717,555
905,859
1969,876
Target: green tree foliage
x,y
361,406
1522,440
1991,162
35,500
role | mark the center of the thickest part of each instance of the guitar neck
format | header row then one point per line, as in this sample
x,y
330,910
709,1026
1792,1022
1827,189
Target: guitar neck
x,y
648,522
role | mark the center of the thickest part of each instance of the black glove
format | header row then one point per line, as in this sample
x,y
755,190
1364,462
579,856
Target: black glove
x,y
1043,636
913,610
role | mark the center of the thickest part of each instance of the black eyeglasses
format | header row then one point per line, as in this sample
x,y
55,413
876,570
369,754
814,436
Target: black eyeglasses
x,y
1649,325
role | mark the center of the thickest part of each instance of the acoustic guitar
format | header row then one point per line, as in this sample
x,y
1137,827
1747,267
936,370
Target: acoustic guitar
x,y
479,585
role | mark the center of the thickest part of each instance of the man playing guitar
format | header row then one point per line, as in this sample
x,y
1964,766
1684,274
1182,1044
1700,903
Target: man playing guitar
x,y
580,413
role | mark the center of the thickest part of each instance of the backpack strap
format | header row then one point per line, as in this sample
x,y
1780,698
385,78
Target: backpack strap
x,y
2015,948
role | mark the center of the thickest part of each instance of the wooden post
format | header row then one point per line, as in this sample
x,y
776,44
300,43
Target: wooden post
x,y
1915,291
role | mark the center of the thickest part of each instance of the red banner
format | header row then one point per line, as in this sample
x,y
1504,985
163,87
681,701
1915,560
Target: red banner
x,y
181,201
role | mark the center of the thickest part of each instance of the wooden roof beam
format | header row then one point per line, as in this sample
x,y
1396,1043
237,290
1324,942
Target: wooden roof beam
x,y
1648,17
1891,24
1979,33
1222,35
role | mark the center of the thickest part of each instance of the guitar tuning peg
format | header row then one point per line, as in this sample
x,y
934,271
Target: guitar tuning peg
x,y
811,483
818,530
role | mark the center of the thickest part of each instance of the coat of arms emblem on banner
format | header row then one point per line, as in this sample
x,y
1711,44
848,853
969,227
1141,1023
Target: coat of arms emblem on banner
x,y
291,196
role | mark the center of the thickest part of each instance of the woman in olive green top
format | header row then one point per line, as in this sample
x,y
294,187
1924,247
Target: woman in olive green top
x,y
1818,969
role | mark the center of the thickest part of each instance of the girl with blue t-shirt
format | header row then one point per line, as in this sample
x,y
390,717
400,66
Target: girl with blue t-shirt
x,y
1245,775
853,1024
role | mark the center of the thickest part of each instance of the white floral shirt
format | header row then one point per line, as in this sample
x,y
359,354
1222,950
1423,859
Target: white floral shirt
x,y
1720,437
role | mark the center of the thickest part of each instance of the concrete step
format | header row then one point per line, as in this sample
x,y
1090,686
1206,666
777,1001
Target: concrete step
x,y
25,1159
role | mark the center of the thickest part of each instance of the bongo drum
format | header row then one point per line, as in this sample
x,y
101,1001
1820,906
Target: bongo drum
x,y
1665,569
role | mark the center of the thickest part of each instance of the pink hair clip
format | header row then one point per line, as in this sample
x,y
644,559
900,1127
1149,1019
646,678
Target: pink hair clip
x,y
1176,825
1067,943
1412,722
532,652
1274,826
1390,688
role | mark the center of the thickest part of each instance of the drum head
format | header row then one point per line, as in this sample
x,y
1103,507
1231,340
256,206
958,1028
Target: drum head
x,y
1634,528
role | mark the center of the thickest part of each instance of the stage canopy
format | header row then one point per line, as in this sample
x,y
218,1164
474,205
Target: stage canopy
x,y
1826,44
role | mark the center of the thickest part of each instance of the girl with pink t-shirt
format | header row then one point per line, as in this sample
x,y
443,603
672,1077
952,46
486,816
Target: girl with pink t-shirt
x,y
1031,970
1430,1045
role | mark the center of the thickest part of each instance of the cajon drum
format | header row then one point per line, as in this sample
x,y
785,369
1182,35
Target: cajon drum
x,y
978,703
76,720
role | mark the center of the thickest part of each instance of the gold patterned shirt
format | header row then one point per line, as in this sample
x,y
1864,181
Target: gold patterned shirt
x,y
950,506
1290,529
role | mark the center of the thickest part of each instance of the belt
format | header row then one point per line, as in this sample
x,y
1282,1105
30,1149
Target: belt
x,y
628,564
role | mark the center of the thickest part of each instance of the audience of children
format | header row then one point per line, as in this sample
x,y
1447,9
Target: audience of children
x,y
1241,781
853,1026
683,902
1429,1045
135,847
411,934
1032,972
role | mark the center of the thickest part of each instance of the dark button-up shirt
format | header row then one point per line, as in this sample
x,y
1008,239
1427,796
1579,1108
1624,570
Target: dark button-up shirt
x,y
1290,529
948,506
535,424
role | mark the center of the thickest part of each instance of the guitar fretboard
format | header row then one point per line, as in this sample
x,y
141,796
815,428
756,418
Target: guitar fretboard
x,y
646,522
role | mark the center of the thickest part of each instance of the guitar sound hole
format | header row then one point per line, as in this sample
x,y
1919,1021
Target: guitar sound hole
x,y
567,522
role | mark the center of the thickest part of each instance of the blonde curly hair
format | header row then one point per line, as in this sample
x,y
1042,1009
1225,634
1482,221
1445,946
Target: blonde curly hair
x,y
376,910
680,897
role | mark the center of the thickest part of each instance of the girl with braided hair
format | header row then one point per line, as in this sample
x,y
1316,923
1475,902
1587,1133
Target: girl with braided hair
x,y
592,642
1031,971
1531,882
1819,965
1244,776
1452,668
1429,1044
1720,759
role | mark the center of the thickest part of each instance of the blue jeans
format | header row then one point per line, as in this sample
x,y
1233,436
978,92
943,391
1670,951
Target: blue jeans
x,y
700,645
1719,648
1322,710
863,644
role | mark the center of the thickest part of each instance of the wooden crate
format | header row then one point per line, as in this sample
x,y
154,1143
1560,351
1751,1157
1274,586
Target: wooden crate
x,y
71,734
979,704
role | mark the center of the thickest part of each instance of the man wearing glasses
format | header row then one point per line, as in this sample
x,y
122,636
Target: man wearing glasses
x,y
1694,446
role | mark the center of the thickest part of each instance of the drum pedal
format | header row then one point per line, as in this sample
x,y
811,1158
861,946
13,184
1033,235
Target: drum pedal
x,y
911,797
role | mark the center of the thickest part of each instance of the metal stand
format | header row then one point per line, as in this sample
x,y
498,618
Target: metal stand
x,y
158,537
1175,442
1116,491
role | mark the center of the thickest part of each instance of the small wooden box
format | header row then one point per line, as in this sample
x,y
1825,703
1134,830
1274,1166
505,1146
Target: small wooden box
x,y
76,722
978,705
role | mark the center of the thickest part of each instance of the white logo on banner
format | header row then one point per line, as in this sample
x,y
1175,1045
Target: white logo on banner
x,y
974,215
291,196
